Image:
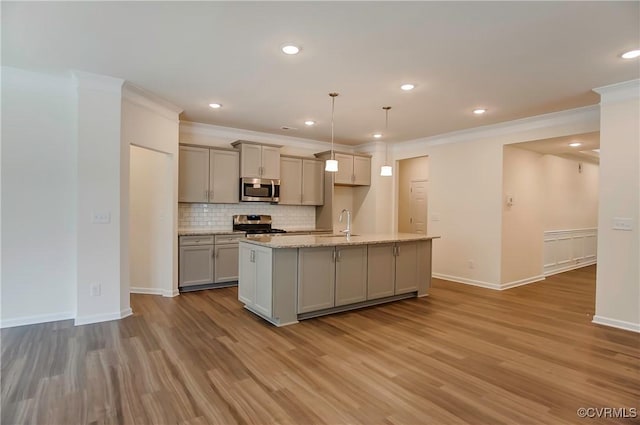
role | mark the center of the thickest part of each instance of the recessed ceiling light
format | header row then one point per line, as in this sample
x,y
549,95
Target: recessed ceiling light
x,y
215,105
290,49
479,111
377,135
309,123
407,87
575,144
596,150
631,54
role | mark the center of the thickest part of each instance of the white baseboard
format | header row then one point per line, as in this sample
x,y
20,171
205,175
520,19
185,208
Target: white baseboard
x,y
85,320
615,323
570,267
154,291
521,282
488,285
467,281
32,320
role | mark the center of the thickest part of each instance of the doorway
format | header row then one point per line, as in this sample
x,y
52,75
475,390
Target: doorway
x,y
413,175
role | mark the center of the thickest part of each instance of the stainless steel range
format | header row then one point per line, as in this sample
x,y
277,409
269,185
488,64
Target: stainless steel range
x,y
254,224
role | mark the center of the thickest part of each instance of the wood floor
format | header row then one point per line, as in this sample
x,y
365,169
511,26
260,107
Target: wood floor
x,y
464,355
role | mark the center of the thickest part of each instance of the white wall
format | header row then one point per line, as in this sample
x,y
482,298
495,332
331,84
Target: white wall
x,y
522,230
150,129
618,278
465,189
570,197
38,197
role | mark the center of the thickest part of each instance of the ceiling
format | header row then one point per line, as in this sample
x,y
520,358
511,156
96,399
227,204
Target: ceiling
x,y
559,146
517,59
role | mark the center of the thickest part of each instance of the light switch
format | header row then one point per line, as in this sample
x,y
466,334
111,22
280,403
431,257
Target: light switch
x,y
435,217
622,223
101,217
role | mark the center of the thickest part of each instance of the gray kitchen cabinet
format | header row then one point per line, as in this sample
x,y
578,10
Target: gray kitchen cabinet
x,y
256,277
226,258
196,261
381,271
224,176
193,174
258,161
353,169
361,170
208,175
316,280
301,181
351,274
406,276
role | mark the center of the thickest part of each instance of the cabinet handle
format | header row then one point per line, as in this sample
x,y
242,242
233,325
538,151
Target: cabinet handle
x,y
397,251
215,252
339,254
333,255
206,192
252,256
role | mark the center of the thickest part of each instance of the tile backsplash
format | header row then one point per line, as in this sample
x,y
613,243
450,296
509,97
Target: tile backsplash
x,y
220,216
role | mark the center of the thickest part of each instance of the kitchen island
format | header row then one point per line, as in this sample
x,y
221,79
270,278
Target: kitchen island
x,y
284,279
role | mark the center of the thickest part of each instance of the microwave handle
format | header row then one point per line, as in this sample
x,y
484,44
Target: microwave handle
x,y
273,189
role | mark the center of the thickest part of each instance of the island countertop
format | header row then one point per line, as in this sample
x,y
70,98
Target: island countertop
x,y
309,241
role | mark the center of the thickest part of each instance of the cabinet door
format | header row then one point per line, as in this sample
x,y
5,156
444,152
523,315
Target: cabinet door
x,y
362,170
224,177
264,283
316,279
290,181
193,174
196,265
246,275
345,169
312,182
351,274
250,160
226,263
381,270
406,267
270,162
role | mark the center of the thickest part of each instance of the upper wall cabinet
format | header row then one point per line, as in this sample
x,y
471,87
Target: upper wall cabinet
x,y
208,175
353,169
301,181
258,160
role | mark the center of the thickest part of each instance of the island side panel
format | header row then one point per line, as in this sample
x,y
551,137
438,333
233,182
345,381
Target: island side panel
x,y
424,267
285,282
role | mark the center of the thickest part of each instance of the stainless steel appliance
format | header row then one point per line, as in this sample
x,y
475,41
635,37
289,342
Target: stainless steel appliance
x,y
254,225
259,190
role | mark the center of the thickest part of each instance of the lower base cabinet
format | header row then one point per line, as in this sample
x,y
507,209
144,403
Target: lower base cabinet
x,y
381,271
316,279
256,277
351,274
208,260
406,277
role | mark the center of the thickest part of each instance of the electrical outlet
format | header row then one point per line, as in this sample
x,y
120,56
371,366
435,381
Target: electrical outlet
x,y
96,289
101,217
472,264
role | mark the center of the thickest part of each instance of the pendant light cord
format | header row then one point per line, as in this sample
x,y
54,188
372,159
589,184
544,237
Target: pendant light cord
x,y
333,105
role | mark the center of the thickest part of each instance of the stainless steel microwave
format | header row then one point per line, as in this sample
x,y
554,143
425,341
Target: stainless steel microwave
x,y
259,190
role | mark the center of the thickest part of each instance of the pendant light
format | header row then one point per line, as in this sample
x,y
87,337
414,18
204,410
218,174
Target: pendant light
x,y
386,169
331,164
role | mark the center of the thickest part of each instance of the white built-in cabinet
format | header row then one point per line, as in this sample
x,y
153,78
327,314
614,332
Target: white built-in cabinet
x,y
208,175
301,181
258,160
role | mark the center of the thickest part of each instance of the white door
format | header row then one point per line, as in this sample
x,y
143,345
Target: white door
x,y
418,202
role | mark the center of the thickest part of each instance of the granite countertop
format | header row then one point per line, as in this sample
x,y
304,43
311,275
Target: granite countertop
x,y
309,241
198,232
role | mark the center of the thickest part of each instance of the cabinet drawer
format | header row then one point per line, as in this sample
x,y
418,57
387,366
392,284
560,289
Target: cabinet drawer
x,y
196,240
227,239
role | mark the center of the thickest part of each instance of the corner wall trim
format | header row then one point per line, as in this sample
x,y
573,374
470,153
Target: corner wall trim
x,y
40,318
521,282
615,323
96,318
154,291
466,281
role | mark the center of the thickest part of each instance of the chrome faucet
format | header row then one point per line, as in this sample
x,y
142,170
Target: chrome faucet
x,y
346,231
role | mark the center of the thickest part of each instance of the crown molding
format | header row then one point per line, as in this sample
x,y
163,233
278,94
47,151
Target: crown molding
x,y
619,92
97,82
587,114
150,101
232,134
